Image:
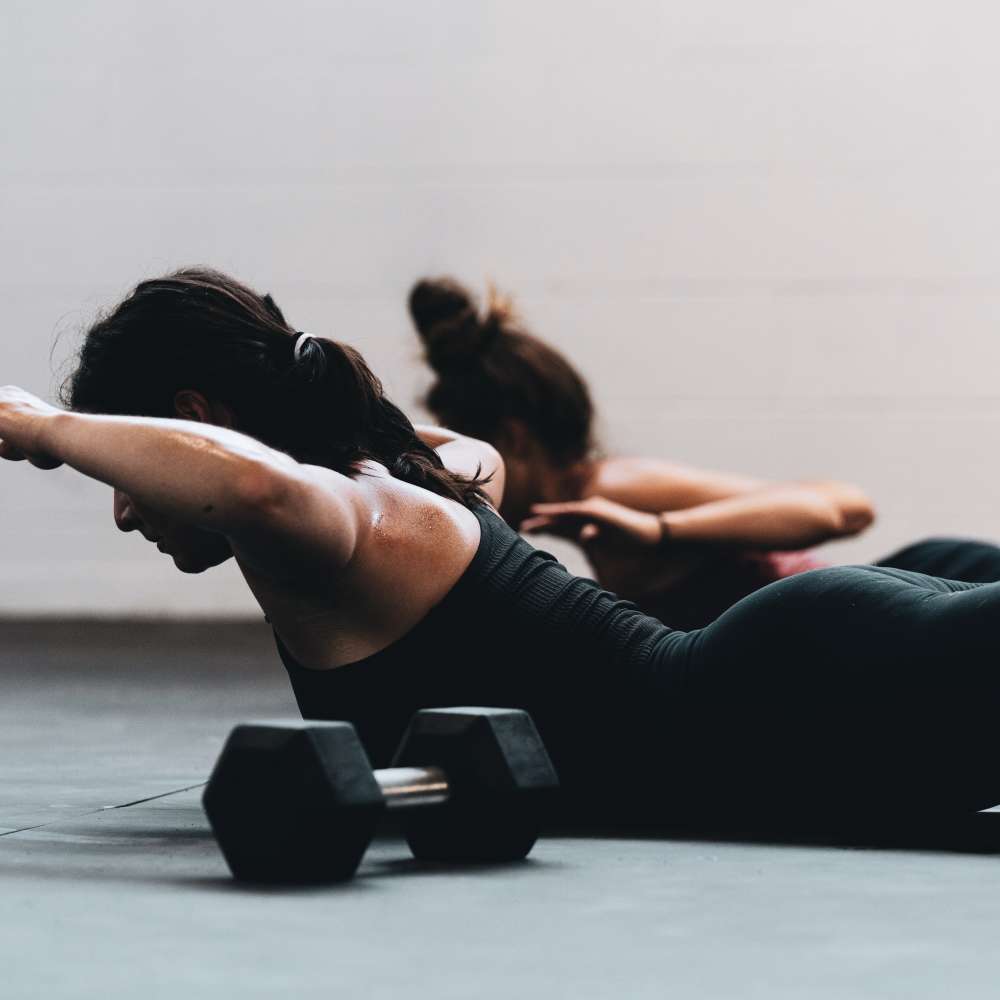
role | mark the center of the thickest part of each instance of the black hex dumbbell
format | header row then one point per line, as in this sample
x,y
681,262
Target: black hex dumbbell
x,y
299,801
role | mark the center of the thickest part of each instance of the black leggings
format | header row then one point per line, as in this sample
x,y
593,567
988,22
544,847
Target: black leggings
x,y
949,558
853,689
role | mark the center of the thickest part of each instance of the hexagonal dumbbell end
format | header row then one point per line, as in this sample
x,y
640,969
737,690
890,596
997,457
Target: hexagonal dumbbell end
x,y
500,780
293,801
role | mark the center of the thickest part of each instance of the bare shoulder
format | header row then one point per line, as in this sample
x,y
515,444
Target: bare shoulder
x,y
416,548
384,513
302,521
411,548
411,527
657,484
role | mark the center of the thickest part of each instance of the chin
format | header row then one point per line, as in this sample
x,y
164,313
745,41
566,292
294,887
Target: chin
x,y
192,566
196,558
186,566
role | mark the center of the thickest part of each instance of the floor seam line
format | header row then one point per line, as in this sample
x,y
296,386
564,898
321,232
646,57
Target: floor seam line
x,y
151,798
52,822
94,812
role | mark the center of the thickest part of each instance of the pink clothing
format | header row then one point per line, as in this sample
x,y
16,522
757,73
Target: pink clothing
x,y
778,565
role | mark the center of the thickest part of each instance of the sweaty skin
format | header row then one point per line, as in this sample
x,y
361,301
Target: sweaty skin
x,y
341,565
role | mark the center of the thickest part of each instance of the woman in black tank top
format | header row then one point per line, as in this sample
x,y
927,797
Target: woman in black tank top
x,y
848,690
392,585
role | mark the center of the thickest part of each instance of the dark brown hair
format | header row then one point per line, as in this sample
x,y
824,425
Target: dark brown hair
x,y
199,329
490,369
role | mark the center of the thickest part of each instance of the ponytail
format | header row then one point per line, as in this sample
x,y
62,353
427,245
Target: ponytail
x,y
312,398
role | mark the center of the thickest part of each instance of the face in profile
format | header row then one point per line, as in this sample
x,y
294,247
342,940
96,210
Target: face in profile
x,y
193,549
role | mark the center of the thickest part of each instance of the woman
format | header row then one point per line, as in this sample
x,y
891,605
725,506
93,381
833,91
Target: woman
x,y
684,543
391,585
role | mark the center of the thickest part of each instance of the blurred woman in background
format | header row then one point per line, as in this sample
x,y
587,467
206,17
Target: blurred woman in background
x,y
684,543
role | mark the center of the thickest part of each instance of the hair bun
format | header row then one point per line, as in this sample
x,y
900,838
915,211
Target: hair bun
x,y
438,301
447,320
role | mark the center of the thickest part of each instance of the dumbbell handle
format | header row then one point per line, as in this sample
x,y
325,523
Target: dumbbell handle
x,y
413,786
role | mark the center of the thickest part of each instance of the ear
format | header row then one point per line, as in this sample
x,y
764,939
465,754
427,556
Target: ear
x,y
189,404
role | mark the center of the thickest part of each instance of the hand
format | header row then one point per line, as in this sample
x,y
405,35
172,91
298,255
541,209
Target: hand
x,y
22,419
624,546
585,521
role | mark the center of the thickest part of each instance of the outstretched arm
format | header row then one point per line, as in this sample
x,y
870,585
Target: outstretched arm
x,y
209,476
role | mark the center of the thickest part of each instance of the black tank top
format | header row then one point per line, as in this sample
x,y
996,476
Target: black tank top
x,y
517,630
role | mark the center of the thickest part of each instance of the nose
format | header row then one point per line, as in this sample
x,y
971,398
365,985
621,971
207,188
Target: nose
x,y
125,515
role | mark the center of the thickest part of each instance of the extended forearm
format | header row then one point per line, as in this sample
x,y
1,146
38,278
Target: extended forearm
x,y
198,472
778,518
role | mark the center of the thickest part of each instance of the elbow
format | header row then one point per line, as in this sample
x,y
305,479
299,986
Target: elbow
x,y
844,509
857,512
852,510
845,522
859,517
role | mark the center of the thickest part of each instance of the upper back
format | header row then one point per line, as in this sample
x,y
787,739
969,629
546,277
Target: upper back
x,y
516,629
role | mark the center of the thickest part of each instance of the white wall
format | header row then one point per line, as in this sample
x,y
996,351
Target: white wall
x,y
767,231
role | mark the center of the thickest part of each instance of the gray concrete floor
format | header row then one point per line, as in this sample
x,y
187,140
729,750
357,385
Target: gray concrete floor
x,y
108,895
